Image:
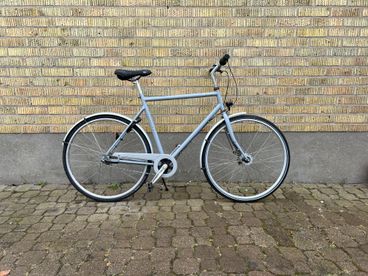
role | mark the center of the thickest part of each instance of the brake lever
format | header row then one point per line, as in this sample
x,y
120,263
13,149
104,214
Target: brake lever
x,y
218,70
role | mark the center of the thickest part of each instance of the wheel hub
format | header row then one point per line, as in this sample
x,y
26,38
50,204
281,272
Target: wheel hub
x,y
246,160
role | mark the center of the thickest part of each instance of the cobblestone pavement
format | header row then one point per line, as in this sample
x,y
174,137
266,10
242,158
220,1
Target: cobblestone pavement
x,y
301,229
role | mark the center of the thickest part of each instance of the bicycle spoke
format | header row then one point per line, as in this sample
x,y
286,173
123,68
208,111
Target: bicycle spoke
x,y
268,159
91,141
257,178
97,143
85,148
85,156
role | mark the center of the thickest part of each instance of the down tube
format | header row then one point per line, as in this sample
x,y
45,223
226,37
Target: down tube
x,y
195,132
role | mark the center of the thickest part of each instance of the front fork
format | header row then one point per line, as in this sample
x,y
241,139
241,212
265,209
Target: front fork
x,y
237,148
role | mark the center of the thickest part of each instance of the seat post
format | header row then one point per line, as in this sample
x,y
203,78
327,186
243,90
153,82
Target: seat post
x,y
137,84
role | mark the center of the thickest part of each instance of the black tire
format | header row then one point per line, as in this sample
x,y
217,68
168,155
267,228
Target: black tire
x,y
68,142
233,160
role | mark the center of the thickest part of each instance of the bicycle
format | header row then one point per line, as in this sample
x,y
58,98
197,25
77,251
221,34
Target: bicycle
x,y
109,156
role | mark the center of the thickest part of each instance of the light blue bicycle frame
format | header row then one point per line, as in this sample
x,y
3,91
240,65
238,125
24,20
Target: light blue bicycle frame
x,y
182,146
153,158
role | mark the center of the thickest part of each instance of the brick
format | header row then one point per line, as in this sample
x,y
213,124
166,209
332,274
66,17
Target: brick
x,y
312,32
308,11
58,60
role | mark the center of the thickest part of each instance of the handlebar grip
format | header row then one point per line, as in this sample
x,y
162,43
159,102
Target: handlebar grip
x,y
224,59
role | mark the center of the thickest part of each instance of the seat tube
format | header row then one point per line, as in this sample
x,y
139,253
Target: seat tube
x,y
139,88
149,117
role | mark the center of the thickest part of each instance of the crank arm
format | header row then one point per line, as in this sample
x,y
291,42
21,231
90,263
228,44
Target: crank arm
x,y
157,177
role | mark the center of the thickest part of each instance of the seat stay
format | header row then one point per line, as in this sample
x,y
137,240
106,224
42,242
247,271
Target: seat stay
x,y
124,132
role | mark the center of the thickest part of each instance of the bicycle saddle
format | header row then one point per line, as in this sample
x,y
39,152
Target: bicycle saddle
x,y
131,75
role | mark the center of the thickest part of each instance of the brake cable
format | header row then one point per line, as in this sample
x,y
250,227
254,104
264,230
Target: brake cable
x,y
230,103
228,84
236,84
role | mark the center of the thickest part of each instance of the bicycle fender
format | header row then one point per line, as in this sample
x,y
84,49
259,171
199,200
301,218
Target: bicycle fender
x,y
211,130
109,113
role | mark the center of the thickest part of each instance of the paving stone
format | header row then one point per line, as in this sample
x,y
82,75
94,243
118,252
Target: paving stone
x,y
3,220
250,220
334,254
30,220
20,270
231,262
54,211
310,239
181,209
260,273
92,267
261,238
149,209
166,202
304,229
135,267
347,267
67,270
31,257
47,268
339,239
183,241
223,240
146,224
161,268
181,223
12,237
276,263
39,227
205,252
143,243
320,265
208,265
186,266
63,219
253,256
195,202
183,253
87,210
97,217
162,254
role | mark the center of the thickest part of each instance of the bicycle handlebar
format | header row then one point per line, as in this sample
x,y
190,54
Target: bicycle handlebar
x,y
217,68
222,62
224,59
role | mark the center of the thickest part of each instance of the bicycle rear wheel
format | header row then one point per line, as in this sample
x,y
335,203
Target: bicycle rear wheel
x,y
83,153
234,178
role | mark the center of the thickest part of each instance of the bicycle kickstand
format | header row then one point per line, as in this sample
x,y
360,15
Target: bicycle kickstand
x,y
157,176
164,185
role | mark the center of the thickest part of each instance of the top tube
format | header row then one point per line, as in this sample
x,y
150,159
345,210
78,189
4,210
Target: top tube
x,y
182,96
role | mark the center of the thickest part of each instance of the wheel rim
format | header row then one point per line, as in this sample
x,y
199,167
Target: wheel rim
x,y
98,179
247,182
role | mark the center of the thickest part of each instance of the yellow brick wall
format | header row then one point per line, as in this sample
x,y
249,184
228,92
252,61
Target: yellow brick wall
x,y
301,63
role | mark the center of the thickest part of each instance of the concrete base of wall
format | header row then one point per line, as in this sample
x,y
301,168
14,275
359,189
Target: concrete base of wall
x,y
315,158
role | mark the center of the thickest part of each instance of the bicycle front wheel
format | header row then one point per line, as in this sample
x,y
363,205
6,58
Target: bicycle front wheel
x,y
84,164
244,181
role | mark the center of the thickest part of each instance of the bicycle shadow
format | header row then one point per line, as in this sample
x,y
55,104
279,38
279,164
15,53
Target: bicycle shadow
x,y
177,191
